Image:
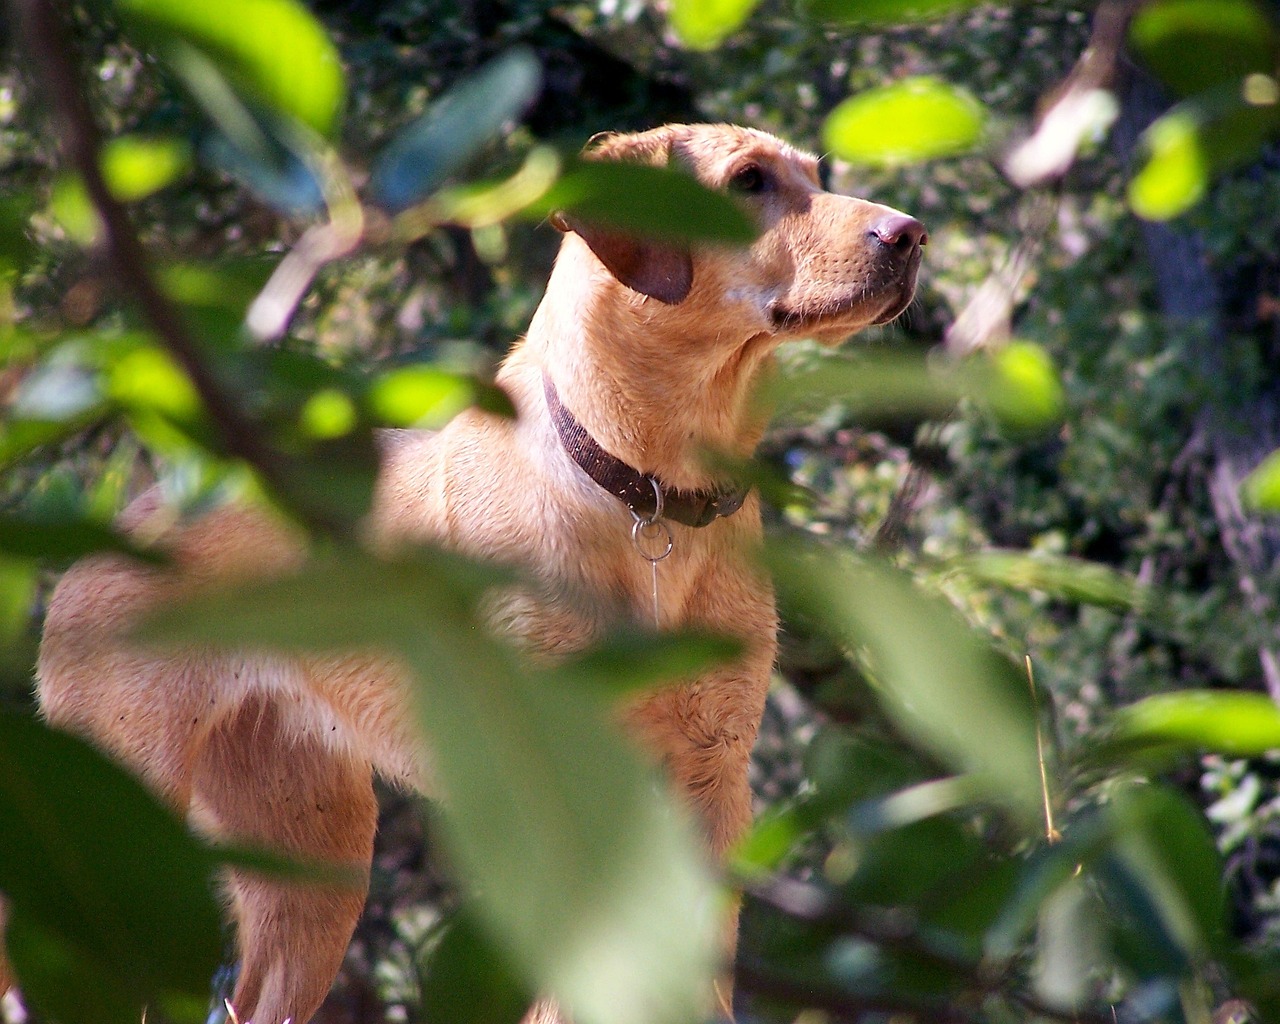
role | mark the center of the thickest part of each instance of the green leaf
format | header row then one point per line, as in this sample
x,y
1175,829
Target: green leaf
x,y
703,24
452,132
885,12
1197,139
1069,579
468,980
1022,389
273,50
1018,385
1194,45
631,660
909,121
62,541
1175,175
649,202
1233,723
582,871
1260,490
937,679
1170,848
100,878
427,397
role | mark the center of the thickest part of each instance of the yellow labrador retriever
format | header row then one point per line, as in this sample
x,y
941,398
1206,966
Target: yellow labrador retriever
x,y
639,358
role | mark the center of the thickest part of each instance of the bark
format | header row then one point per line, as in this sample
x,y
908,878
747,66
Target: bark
x,y
1232,440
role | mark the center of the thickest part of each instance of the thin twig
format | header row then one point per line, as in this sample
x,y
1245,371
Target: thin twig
x,y
49,53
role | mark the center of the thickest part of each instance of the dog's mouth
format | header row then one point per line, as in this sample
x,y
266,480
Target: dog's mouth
x,y
851,312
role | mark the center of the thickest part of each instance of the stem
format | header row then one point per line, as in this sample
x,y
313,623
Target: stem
x,y
49,55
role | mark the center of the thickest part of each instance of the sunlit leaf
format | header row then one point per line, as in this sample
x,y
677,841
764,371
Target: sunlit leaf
x,y
1260,490
650,202
133,167
1230,722
1018,385
939,681
427,397
274,50
1197,139
452,132
582,871
17,595
1023,390
885,12
703,24
1194,45
1176,172
1070,579
102,877
910,120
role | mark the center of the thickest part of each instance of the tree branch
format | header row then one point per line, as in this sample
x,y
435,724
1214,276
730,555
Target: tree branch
x,y
44,40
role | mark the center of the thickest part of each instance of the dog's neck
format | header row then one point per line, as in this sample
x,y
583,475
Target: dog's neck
x,y
659,408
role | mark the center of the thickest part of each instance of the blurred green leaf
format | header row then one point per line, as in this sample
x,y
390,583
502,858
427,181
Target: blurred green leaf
x,y
16,246
101,879
274,50
1187,146
908,121
1022,390
650,202
1169,845
1070,945
17,596
1233,723
468,980
427,397
452,132
703,24
597,890
630,660
1176,172
62,541
885,12
937,679
1069,579
1194,45
1018,385
1260,490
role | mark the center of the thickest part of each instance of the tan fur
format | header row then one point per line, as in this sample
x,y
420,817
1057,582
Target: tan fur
x,y
280,751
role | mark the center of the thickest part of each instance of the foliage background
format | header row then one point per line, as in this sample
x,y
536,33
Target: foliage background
x,y
1132,479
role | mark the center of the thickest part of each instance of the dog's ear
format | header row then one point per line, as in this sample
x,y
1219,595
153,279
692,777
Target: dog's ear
x,y
663,272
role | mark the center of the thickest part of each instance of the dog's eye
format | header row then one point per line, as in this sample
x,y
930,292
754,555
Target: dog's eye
x,y
751,179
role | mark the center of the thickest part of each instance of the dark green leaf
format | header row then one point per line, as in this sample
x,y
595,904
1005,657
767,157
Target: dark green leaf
x,y
102,877
583,872
62,540
1194,45
274,50
649,202
885,12
1168,844
939,681
467,979
908,121
452,132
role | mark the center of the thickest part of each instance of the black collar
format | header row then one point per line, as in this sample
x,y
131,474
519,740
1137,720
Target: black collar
x,y
634,489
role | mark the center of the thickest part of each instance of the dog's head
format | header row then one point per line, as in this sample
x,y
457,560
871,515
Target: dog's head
x,y
822,266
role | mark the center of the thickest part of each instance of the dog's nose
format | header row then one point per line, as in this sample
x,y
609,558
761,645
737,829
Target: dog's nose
x,y
900,231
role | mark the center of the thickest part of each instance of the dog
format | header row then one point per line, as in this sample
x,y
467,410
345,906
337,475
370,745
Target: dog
x,y
641,356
